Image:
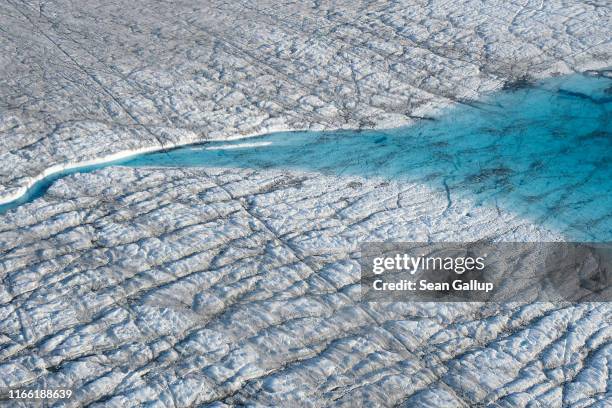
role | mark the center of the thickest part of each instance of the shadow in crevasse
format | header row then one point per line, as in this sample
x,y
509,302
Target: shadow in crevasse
x,y
542,151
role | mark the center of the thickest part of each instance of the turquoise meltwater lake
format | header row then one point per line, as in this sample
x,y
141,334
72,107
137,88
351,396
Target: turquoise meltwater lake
x,y
543,151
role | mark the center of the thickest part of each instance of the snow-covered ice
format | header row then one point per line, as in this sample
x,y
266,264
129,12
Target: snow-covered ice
x,y
188,286
237,281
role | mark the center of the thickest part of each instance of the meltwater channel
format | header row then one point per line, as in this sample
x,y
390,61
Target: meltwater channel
x,y
543,150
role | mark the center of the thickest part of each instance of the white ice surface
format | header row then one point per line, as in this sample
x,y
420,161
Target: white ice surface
x,y
185,287
179,288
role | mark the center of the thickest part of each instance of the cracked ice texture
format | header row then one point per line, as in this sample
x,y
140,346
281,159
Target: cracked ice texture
x,y
83,80
180,287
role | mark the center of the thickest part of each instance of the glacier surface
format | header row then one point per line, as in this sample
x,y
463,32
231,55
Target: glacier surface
x,y
87,80
236,281
180,287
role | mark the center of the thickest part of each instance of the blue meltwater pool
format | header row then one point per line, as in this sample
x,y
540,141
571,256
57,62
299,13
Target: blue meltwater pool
x,y
543,151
